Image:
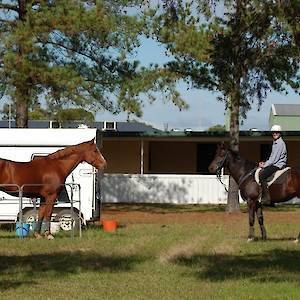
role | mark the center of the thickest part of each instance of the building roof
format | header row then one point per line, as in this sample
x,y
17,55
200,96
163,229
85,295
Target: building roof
x,y
104,126
286,109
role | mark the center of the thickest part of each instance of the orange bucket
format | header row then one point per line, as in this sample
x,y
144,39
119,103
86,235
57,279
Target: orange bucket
x,y
109,225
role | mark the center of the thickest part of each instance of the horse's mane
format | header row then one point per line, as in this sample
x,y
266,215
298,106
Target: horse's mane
x,y
248,163
64,152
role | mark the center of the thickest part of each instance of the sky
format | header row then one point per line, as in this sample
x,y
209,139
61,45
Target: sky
x,y
204,108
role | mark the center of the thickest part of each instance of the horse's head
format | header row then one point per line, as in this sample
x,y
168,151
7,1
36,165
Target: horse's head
x,y
219,159
94,157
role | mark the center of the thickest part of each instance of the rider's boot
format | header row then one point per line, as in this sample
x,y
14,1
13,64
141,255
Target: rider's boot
x,y
265,195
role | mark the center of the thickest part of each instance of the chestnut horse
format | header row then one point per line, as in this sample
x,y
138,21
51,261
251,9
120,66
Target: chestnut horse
x,y
44,177
242,171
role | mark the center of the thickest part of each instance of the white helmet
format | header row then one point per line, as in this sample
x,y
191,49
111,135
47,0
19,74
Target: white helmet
x,y
276,128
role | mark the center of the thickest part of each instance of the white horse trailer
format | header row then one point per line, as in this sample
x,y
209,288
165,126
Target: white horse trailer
x,y
23,145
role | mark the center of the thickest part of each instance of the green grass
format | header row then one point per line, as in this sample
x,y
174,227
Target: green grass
x,y
152,261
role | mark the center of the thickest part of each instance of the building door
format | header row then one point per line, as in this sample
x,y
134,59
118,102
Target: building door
x,y
205,155
265,151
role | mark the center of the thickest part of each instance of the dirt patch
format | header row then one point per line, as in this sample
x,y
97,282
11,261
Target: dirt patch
x,y
130,217
158,215
183,251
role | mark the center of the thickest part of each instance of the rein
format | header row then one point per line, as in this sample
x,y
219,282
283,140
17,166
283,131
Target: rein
x,y
247,175
220,165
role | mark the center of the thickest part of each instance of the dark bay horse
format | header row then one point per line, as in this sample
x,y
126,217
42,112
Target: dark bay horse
x,y
242,171
44,176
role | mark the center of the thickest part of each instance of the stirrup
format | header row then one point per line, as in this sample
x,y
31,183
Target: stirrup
x,y
265,201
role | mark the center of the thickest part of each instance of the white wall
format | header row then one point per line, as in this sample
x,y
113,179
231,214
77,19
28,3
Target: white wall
x,y
177,189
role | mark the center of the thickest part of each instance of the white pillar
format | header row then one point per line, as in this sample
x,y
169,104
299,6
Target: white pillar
x,y
142,156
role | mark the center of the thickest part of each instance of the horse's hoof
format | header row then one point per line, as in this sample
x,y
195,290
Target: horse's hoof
x,y
49,236
250,240
296,241
37,235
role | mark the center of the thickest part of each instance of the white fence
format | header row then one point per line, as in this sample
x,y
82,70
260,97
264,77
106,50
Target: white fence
x,y
161,188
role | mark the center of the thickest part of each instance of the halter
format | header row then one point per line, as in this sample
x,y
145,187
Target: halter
x,y
220,165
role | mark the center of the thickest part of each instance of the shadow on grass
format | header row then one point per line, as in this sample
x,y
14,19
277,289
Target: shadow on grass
x,y
281,239
276,266
9,284
61,264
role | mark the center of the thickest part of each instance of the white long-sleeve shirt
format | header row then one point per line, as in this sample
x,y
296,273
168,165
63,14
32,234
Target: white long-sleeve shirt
x,y
278,155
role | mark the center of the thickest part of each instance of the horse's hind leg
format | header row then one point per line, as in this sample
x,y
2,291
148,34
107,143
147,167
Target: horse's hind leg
x,y
260,218
251,212
48,213
38,225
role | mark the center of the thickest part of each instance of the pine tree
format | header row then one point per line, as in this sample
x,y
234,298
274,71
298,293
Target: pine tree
x,y
72,53
243,54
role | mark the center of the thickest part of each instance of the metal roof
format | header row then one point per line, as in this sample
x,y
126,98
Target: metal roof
x,y
120,126
196,134
286,109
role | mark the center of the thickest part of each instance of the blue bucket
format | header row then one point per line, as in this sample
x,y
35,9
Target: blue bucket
x,y
22,230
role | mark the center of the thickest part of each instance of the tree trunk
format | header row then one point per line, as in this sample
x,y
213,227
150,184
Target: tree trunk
x,y
22,93
233,204
22,100
21,114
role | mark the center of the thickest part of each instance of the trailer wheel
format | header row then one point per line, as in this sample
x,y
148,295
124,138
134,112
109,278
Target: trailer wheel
x,y
29,217
67,220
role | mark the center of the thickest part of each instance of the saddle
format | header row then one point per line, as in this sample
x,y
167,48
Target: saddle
x,y
276,178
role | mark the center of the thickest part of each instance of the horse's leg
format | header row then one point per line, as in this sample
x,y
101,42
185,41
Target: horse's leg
x,y
297,240
251,212
38,225
48,213
260,218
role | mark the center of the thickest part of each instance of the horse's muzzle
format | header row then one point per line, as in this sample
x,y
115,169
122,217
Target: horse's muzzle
x,y
102,166
212,168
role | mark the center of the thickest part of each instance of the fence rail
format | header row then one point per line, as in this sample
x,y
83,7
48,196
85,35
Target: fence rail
x,y
16,214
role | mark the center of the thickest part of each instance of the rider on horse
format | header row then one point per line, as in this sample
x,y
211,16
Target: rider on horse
x,y
276,161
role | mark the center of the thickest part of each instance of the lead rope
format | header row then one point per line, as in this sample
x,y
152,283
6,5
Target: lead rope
x,y
220,179
220,165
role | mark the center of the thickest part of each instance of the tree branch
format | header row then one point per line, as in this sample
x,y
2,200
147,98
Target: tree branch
x,y
10,22
9,7
72,50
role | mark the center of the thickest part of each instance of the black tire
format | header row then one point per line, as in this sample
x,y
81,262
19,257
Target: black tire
x,y
66,220
29,217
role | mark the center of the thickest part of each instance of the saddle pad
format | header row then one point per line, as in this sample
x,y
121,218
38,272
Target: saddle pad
x,y
273,177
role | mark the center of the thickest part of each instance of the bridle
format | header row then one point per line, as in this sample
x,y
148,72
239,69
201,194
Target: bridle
x,y
220,166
